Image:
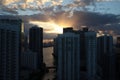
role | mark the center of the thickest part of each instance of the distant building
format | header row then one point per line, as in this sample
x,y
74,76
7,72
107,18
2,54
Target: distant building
x,y
29,60
87,52
106,57
10,48
26,45
70,29
68,67
36,43
117,51
118,42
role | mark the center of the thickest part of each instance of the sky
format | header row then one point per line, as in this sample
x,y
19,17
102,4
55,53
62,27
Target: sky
x,y
54,15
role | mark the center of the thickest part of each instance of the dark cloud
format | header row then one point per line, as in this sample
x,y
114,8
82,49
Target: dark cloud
x,y
35,17
78,17
84,18
67,16
84,2
93,19
8,10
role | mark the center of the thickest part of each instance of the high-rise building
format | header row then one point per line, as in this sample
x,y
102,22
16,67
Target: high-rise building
x,y
29,60
106,57
118,42
36,43
117,52
68,67
70,29
90,49
87,52
10,43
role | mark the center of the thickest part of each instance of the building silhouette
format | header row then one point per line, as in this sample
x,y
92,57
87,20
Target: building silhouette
x,y
29,60
10,48
70,29
87,52
68,67
117,51
106,58
36,43
118,42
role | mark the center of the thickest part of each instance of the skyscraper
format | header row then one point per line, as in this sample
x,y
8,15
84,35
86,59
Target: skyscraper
x,y
70,29
10,43
117,52
106,57
90,44
118,42
87,52
36,43
29,60
68,67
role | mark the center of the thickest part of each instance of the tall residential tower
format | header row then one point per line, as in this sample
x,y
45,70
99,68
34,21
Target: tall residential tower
x,y
10,43
106,57
36,43
86,52
68,67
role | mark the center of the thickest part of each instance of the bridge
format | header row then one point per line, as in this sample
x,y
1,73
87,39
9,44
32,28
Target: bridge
x,y
51,67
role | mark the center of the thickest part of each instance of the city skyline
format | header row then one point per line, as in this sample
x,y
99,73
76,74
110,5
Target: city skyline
x,y
93,57
60,39
77,54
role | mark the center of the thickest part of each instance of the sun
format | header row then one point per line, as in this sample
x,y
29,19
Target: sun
x,y
58,29
49,27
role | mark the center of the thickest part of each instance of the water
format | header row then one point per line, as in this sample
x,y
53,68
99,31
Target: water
x,y
48,59
47,56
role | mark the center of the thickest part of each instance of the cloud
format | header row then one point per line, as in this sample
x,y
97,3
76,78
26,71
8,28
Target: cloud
x,y
93,19
25,4
7,2
79,18
56,2
42,4
51,23
48,7
73,14
83,2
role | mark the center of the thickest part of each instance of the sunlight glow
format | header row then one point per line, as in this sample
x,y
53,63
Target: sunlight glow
x,y
49,27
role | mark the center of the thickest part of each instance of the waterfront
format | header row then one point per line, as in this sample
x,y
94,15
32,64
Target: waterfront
x,y
48,59
47,56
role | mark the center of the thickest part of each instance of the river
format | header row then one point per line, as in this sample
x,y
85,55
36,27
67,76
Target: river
x,y
48,59
47,56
